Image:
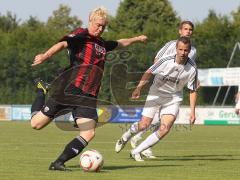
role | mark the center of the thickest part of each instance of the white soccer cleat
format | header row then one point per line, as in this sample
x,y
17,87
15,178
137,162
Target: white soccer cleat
x,y
134,141
148,154
137,157
120,145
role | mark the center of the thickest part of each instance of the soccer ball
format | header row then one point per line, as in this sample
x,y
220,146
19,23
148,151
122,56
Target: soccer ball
x,y
91,161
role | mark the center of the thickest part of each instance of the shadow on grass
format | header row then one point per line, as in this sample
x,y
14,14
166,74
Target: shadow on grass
x,y
118,167
223,157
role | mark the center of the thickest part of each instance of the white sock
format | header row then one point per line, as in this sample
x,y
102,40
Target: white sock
x,y
130,132
151,140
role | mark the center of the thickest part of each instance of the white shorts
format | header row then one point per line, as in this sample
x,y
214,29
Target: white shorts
x,y
156,107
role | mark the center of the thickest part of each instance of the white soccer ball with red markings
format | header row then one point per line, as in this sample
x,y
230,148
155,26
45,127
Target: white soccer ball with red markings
x,y
91,161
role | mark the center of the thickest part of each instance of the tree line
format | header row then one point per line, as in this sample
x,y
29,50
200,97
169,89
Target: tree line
x,y
214,39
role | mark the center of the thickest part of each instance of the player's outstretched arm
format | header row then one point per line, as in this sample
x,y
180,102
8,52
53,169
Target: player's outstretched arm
x,y
40,58
129,41
193,100
144,80
237,107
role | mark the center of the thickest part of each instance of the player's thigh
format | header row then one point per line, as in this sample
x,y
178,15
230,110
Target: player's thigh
x,y
86,124
40,120
168,114
149,110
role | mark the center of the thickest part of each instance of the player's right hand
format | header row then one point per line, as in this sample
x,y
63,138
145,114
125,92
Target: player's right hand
x,y
136,93
38,59
143,38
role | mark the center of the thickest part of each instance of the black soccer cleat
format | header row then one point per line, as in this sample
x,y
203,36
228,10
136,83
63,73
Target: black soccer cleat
x,y
41,85
57,166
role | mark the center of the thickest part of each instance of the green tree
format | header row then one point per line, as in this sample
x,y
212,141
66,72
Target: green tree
x,y
61,20
20,44
236,36
214,41
156,19
8,22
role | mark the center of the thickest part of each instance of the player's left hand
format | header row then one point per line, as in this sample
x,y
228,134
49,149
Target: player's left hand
x,y
192,119
198,84
39,59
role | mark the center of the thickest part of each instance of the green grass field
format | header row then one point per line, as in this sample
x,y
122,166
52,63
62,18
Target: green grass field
x,y
203,152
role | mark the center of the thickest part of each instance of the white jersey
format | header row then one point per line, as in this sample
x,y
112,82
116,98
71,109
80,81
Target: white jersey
x,y
171,77
169,49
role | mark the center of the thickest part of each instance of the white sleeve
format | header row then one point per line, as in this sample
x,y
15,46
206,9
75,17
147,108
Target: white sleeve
x,y
193,53
192,83
164,50
156,68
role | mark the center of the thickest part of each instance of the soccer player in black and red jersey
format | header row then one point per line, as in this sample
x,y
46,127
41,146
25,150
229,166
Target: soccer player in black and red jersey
x,y
78,91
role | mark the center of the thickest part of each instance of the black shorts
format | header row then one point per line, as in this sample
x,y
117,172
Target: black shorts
x,y
81,106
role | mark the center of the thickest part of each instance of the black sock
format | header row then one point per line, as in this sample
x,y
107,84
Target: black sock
x,y
39,101
72,149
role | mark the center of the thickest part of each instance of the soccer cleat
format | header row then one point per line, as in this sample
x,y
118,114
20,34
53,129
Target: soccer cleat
x,y
41,85
58,166
134,141
148,154
136,157
120,145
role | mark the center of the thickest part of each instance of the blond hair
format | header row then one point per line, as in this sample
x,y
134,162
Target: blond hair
x,y
98,12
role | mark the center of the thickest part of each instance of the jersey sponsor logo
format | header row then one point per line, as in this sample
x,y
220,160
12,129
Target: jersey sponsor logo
x,y
171,79
100,50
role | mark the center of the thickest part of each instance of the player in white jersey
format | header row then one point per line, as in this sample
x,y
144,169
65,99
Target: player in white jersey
x,y
237,100
172,73
186,29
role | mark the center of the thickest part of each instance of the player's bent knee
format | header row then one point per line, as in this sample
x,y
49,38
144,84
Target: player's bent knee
x,y
163,130
35,125
88,135
39,121
91,134
142,126
144,123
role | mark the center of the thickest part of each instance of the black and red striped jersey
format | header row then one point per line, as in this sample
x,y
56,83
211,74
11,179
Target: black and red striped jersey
x,y
87,55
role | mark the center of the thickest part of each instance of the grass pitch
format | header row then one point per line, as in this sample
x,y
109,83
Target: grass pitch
x,y
201,152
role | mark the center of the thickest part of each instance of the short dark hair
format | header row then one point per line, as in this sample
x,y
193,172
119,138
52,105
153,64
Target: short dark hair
x,y
184,40
186,22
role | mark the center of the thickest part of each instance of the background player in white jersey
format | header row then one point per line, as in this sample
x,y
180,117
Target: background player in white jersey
x,y
186,29
172,73
237,100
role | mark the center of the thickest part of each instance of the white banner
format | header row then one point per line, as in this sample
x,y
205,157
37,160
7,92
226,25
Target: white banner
x,y
209,116
219,76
